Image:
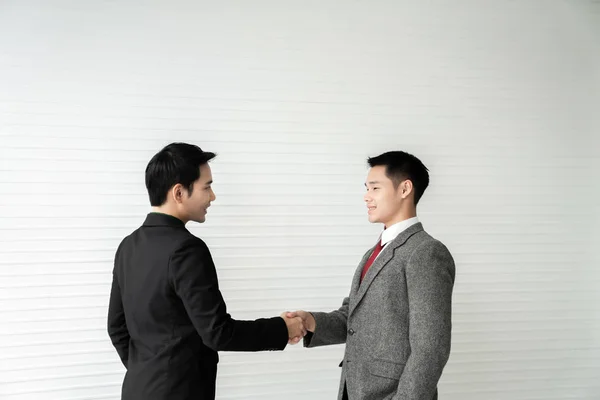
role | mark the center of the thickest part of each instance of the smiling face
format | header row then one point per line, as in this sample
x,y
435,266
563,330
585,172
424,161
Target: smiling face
x,y
193,204
386,203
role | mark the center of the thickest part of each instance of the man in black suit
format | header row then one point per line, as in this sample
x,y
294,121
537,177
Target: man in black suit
x,y
166,317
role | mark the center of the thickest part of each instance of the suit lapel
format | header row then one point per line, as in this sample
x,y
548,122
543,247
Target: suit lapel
x,y
358,289
356,280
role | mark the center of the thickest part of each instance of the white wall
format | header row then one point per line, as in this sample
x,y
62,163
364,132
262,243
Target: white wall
x,y
497,98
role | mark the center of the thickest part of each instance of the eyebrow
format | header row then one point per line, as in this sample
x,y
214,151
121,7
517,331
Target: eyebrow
x,y
209,183
372,183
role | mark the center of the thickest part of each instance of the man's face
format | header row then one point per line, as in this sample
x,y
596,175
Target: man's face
x,y
195,205
383,201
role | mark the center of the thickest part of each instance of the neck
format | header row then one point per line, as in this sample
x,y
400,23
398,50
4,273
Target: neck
x,y
401,216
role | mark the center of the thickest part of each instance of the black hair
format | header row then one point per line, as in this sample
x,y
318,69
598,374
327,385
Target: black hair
x,y
175,163
400,166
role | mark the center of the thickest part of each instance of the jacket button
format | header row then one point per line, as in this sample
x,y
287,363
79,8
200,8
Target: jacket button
x,y
351,331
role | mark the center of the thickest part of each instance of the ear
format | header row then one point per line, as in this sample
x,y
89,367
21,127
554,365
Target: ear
x,y
177,193
405,188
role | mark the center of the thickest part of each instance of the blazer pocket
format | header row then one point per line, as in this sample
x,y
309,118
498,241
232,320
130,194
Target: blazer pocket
x,y
385,369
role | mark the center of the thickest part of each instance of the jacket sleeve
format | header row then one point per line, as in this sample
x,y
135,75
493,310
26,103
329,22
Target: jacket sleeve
x,y
330,328
429,279
194,278
117,326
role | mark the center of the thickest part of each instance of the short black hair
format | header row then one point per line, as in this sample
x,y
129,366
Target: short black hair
x,y
400,166
175,163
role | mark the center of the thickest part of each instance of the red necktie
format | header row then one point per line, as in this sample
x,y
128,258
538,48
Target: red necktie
x,y
376,251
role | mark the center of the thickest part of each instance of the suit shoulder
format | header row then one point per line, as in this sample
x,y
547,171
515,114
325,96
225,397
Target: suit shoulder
x,y
190,244
190,258
124,242
191,240
426,245
425,240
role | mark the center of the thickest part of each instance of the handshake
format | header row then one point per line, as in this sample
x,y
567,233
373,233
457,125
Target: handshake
x,y
298,324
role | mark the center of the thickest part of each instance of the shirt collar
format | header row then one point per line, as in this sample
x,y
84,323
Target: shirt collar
x,y
160,219
393,231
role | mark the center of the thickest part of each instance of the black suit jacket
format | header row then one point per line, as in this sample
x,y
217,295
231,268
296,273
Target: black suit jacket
x,y
167,318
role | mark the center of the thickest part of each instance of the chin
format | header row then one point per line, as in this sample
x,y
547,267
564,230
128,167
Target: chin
x,y
199,219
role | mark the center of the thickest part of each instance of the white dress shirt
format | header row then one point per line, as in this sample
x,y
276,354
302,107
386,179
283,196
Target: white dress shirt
x,y
393,231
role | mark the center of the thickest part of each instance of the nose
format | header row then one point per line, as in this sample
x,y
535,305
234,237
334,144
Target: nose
x,y
213,196
367,197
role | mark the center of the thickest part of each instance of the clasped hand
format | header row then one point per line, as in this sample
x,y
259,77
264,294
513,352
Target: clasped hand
x,y
298,324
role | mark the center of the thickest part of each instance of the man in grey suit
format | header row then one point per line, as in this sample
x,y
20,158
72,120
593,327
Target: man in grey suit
x,y
396,322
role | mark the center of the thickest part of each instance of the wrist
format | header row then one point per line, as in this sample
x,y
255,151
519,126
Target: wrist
x,y
311,324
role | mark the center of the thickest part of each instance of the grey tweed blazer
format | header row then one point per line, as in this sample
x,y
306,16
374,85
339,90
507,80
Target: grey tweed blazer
x,y
397,323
